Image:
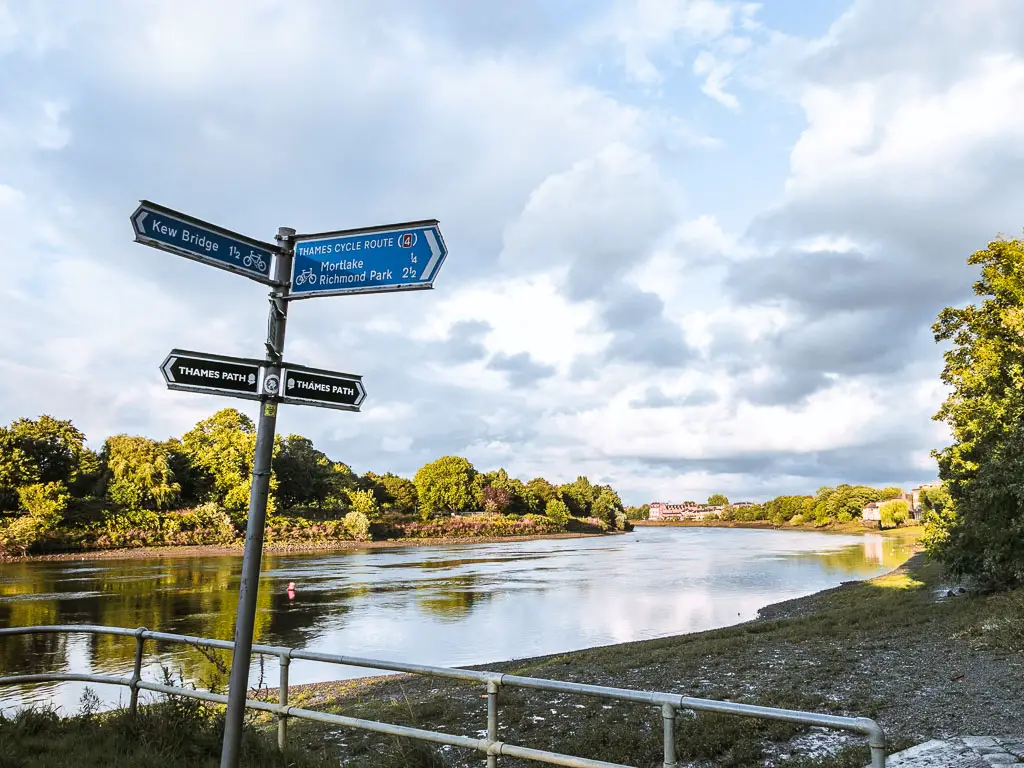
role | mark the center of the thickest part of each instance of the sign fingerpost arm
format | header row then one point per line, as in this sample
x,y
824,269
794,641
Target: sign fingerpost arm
x,y
249,587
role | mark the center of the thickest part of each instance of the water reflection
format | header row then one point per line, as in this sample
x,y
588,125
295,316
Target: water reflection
x,y
435,605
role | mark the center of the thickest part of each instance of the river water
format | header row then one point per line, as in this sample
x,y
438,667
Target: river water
x,y
445,605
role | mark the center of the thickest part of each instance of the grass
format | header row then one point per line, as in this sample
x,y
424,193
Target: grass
x,y
180,733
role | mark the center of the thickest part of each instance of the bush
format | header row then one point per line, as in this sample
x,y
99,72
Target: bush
x,y
472,526
44,505
357,525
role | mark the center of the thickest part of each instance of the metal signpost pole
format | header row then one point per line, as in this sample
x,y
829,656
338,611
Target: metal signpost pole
x,y
245,620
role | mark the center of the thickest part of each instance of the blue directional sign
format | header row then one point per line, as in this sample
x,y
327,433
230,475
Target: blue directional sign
x,y
398,257
178,233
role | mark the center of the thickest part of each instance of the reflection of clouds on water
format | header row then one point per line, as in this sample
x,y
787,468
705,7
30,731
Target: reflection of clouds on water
x,y
434,605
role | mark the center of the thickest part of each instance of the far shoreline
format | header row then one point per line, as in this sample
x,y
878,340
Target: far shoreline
x,y
855,527
297,548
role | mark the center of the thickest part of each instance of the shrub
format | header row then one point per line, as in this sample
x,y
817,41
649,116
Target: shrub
x,y
357,525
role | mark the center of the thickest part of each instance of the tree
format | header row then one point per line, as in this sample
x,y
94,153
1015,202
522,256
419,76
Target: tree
x,y
543,491
445,485
401,494
305,476
608,506
578,496
38,451
365,503
642,512
496,499
893,513
139,473
892,492
717,500
558,512
44,505
981,534
223,446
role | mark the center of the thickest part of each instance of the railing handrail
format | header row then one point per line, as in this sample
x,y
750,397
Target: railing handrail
x,y
668,702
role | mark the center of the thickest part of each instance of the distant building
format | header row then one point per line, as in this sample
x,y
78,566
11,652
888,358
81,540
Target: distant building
x,y
916,494
661,510
873,511
688,510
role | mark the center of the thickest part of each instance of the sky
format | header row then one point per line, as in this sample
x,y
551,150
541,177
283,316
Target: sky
x,y
695,246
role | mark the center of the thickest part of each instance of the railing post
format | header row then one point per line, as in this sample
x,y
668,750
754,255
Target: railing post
x,y
668,717
492,719
133,707
282,699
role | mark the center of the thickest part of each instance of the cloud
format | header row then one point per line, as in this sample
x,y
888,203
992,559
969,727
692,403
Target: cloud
x,y
522,370
655,398
643,286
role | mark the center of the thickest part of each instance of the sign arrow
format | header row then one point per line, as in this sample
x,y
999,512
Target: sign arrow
x,y
396,257
327,389
187,371
181,234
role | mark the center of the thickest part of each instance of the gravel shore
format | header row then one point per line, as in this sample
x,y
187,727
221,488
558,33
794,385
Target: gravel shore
x,y
906,649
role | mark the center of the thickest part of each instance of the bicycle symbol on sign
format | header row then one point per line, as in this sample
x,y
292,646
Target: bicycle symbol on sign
x,y
306,276
254,259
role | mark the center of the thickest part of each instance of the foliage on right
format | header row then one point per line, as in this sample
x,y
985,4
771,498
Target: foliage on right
x,y
979,533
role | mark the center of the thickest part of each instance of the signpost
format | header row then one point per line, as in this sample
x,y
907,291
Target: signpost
x,y
399,257
217,374
312,386
175,232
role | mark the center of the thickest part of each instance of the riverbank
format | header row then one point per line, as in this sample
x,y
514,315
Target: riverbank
x,y
899,648
327,547
854,527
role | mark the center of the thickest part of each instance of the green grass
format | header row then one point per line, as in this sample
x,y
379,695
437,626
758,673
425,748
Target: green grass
x,y
176,734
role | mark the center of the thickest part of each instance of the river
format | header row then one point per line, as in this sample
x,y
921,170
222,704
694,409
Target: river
x,y
446,605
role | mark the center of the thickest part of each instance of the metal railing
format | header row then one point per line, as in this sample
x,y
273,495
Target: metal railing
x,y
668,704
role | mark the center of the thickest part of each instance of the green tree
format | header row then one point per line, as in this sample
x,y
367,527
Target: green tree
x,y
558,511
578,496
365,503
223,446
43,505
401,494
893,513
542,491
717,500
38,451
445,486
139,473
891,492
981,535
608,506
642,512
305,476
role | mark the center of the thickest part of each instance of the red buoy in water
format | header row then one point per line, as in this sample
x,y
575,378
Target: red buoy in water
x,y
291,590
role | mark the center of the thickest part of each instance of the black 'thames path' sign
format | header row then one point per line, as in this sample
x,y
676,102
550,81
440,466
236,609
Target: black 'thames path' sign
x,y
327,389
217,374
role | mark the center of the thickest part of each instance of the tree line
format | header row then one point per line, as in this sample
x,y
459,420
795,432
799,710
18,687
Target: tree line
x,y
827,506
195,489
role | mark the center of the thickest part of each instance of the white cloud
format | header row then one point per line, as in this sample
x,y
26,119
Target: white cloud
x,y
580,211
